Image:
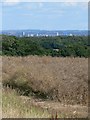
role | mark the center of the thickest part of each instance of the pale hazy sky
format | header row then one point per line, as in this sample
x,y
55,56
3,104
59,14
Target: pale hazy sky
x,y
44,15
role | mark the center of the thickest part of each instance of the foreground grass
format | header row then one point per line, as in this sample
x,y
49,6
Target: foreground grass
x,y
44,78
14,107
47,77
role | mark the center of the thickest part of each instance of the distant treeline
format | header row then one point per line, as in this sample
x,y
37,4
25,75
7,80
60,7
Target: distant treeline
x,y
49,46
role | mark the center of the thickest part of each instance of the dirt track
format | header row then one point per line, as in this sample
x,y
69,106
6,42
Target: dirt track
x,y
65,111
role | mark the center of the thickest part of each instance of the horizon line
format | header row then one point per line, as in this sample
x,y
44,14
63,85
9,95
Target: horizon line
x,y
46,29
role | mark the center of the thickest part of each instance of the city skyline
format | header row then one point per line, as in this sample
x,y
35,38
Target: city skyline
x,y
45,16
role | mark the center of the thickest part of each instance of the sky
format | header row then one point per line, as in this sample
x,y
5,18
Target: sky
x,y
18,15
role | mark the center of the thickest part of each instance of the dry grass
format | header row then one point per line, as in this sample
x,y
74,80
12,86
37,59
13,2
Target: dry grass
x,y
59,79
54,84
62,81
15,107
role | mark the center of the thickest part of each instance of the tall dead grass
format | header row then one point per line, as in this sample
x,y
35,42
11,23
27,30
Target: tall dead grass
x,y
60,79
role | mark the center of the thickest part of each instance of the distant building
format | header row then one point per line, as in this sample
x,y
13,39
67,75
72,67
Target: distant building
x,y
28,35
57,34
23,33
70,34
56,50
32,35
46,35
20,35
37,35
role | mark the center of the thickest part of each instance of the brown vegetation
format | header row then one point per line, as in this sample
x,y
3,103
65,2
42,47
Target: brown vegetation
x,y
59,79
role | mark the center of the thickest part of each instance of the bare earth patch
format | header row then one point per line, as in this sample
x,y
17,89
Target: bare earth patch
x,y
63,111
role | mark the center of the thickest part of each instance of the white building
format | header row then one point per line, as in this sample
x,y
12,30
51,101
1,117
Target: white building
x,y
57,34
70,34
37,35
23,33
32,35
46,35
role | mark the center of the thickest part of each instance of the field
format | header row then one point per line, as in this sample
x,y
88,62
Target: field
x,y
47,84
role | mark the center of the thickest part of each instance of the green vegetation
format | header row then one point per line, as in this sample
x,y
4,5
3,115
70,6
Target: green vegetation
x,y
49,46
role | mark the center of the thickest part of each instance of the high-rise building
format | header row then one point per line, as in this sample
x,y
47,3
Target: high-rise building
x,y
23,33
37,34
57,34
